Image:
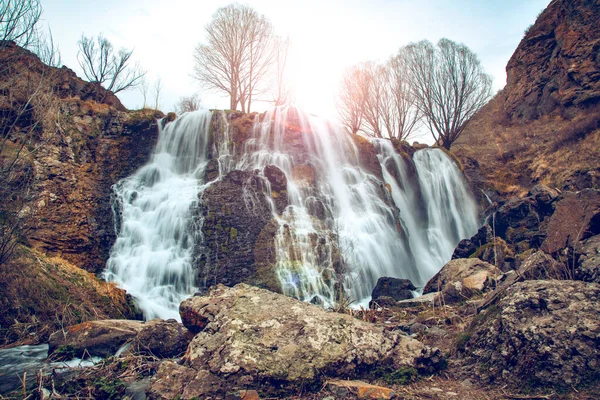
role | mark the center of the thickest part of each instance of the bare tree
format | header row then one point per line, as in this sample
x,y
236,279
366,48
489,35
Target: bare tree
x,y
374,90
18,20
144,88
352,98
157,93
282,93
188,103
399,112
45,48
449,85
102,65
375,99
238,55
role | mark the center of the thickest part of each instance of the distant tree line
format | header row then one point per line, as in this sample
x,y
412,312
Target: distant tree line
x,y
442,86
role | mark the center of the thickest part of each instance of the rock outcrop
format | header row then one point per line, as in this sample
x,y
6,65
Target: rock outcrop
x,y
556,64
577,217
544,126
539,333
254,339
85,142
234,211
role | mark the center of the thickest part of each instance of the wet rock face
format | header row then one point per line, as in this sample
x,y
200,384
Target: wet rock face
x,y
258,339
74,179
86,142
539,334
516,226
556,63
235,210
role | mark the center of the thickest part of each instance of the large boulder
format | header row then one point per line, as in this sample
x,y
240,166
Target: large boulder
x,y
252,338
163,339
462,278
539,333
97,338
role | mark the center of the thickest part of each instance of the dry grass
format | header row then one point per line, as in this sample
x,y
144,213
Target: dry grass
x,y
513,156
41,295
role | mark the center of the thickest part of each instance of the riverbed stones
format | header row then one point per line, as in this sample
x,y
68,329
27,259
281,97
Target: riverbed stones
x,y
253,338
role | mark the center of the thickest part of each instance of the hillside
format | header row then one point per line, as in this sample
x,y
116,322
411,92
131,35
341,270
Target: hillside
x,y
544,126
64,142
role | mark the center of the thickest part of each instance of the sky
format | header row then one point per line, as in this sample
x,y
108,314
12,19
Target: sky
x,y
327,36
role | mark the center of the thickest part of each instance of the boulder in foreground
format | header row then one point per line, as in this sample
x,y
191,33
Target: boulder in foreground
x,y
98,338
540,334
250,338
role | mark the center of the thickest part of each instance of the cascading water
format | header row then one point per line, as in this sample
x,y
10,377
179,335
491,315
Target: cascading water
x,y
152,256
355,239
451,209
348,221
437,210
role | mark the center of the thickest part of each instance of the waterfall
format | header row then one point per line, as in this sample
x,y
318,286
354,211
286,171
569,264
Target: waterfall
x,y
356,209
355,239
152,256
437,210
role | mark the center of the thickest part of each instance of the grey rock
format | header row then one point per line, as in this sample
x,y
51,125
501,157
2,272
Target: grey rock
x,y
542,333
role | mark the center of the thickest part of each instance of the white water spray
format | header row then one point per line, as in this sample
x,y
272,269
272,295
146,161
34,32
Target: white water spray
x,y
152,256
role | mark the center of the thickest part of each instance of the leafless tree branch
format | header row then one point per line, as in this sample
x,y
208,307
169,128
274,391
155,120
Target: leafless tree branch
x,y
101,65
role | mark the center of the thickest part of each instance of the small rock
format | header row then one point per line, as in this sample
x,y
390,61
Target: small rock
x,y
431,321
435,331
418,327
243,395
361,390
467,383
454,320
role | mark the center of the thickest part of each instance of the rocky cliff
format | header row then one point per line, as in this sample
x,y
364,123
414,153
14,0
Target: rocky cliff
x,y
67,141
544,126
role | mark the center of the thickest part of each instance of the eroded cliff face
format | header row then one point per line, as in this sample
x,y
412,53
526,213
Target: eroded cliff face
x,y
80,140
557,64
544,126
92,149
70,141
